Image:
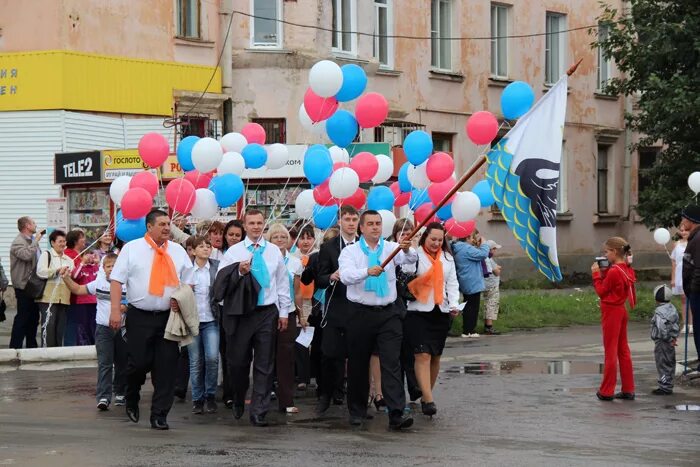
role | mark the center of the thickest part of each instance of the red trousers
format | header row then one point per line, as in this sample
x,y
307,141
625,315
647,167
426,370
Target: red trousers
x,y
614,324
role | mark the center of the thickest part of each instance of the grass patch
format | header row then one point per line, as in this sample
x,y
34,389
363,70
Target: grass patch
x,y
529,309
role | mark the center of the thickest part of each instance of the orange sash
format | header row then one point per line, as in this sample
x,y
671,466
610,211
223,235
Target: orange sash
x,y
433,279
163,271
307,291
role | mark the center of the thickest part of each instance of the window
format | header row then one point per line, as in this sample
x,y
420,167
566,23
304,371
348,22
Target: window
x,y
266,32
344,24
499,42
440,29
198,126
562,199
188,18
394,132
384,26
647,157
603,155
604,64
442,142
275,129
554,47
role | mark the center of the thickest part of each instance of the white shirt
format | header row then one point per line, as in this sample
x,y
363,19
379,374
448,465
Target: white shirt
x,y
216,254
451,290
100,289
202,282
294,265
278,293
133,269
353,265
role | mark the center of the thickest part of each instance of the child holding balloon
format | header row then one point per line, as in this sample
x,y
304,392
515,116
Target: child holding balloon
x,y
677,274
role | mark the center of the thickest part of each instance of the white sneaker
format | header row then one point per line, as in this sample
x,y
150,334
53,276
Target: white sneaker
x,y
474,334
466,335
690,329
103,404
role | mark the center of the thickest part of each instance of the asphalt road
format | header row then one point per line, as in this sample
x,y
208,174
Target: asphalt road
x,y
521,399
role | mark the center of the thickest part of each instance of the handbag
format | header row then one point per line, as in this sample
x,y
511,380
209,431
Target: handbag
x,y
3,307
36,285
402,280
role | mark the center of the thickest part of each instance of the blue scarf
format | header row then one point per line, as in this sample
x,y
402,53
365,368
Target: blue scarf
x,y
320,296
259,270
291,278
377,284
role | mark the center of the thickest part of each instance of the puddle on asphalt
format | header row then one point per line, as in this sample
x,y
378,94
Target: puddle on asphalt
x,y
528,367
684,407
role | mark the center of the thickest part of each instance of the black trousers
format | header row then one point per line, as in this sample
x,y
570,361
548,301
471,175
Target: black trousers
x,y
370,328
182,374
470,315
227,384
148,351
334,352
25,323
408,361
252,334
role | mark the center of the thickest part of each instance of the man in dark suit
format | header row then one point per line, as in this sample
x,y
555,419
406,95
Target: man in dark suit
x,y
333,345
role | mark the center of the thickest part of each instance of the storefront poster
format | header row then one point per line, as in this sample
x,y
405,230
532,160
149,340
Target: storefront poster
x,y
57,214
77,167
122,162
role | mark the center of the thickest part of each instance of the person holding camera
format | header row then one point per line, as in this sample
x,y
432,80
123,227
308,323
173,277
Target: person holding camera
x,y
613,279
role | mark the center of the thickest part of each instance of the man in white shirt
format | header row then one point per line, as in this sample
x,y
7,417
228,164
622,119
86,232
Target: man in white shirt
x,y
255,331
151,268
373,319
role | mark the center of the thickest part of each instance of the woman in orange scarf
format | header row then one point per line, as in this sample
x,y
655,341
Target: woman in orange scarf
x,y
428,320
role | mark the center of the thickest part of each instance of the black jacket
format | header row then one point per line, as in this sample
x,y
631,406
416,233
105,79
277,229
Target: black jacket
x,y
336,294
239,293
311,271
691,264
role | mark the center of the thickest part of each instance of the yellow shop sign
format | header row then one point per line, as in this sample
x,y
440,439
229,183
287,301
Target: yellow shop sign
x,y
116,163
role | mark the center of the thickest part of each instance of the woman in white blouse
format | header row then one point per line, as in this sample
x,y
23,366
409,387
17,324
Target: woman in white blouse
x,y
429,316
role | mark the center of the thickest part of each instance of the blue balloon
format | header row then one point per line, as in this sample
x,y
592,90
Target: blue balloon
x,y
128,230
445,212
341,128
184,152
418,146
380,197
516,100
354,83
404,183
418,198
483,191
227,188
318,164
325,217
254,156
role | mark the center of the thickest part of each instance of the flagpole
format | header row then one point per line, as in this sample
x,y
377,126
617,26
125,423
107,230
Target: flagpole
x,y
468,174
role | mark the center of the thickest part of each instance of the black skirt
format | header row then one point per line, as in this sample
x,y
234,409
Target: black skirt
x,y
426,332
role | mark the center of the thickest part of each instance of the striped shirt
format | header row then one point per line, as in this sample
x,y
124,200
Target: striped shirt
x,y
100,288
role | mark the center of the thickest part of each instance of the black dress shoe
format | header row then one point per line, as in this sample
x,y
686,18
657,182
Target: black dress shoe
x,y
324,403
602,397
400,423
159,423
355,421
338,401
258,420
627,396
238,411
661,392
228,403
428,408
132,411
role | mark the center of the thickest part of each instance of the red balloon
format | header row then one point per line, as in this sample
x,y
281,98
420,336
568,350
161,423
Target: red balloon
x,y
154,149
422,212
356,200
438,191
254,133
145,180
371,110
199,180
402,199
440,167
460,229
366,165
319,108
136,203
180,195
340,165
322,194
482,127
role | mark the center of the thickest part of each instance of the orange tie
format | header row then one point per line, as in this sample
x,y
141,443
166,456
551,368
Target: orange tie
x,y
307,291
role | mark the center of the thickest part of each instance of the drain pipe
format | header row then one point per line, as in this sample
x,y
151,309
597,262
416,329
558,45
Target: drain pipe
x,y
627,166
227,63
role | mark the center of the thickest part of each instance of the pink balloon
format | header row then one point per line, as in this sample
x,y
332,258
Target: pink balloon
x,y
147,181
366,166
197,179
322,194
180,195
254,133
438,191
154,149
136,203
319,108
422,212
340,165
440,167
460,229
482,127
356,200
371,110
402,199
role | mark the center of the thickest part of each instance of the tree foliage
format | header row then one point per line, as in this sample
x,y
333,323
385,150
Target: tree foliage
x,y
656,48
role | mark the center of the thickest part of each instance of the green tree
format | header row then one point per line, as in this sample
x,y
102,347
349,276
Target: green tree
x,y
655,45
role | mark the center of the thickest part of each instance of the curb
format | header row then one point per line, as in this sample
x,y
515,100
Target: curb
x,y
51,354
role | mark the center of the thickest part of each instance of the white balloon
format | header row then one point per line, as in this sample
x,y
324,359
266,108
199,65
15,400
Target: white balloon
x,y
233,142
343,183
466,206
205,206
662,236
694,182
417,175
207,154
318,129
231,163
339,154
118,188
304,204
386,169
325,78
388,221
277,156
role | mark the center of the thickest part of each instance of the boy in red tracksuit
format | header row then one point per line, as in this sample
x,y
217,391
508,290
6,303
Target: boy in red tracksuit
x,y
615,285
